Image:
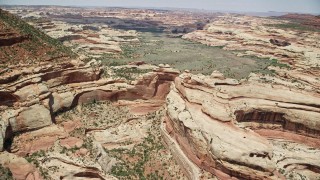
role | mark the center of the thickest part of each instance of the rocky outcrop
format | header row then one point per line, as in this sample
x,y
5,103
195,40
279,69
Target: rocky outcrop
x,y
263,127
279,43
72,168
31,106
9,41
206,115
191,170
32,102
20,168
52,115
21,43
224,126
306,20
37,140
70,38
263,38
8,98
61,101
34,117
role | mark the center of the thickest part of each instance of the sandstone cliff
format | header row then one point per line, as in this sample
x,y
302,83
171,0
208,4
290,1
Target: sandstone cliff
x,y
244,130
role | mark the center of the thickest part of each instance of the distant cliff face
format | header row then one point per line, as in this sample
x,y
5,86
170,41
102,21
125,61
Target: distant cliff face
x,y
306,20
262,37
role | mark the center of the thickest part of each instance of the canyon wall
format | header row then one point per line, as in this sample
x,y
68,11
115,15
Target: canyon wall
x,y
230,128
32,102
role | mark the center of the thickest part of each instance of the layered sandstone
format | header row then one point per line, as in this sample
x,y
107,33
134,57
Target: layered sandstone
x,y
232,129
36,98
20,168
64,119
262,38
30,121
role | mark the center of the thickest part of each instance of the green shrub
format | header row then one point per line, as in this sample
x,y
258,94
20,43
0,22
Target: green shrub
x,y
5,173
129,73
274,62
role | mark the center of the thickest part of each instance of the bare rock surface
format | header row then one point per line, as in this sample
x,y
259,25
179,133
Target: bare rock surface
x,y
261,37
35,117
222,128
20,168
36,123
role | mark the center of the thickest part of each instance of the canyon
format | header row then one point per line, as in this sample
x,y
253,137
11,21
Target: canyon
x,y
71,114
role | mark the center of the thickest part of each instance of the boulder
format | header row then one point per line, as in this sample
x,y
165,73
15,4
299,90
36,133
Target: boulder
x,y
33,117
217,74
279,42
61,101
3,129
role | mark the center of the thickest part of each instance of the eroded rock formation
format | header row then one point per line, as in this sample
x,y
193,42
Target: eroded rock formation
x,y
221,125
262,37
65,119
9,41
32,103
279,43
